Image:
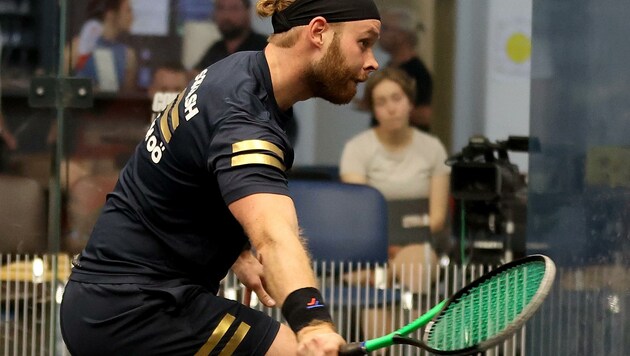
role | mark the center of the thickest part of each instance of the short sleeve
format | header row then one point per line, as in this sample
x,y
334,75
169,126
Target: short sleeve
x,y
353,158
440,166
249,155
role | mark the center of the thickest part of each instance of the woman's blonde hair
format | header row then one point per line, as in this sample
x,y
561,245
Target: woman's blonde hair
x,y
396,75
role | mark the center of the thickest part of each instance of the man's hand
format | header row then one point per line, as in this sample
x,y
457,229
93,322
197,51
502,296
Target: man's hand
x,y
249,271
319,340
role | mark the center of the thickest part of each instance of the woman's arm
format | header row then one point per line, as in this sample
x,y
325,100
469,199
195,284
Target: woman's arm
x,y
438,202
131,70
354,178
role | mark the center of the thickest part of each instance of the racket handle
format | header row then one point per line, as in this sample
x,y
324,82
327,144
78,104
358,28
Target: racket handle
x,y
353,349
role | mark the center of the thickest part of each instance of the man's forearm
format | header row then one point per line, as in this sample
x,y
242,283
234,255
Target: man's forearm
x,y
287,267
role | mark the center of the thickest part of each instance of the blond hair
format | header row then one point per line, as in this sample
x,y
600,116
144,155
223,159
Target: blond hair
x,y
266,8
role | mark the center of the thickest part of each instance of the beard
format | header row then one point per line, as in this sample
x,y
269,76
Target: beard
x,y
230,31
331,78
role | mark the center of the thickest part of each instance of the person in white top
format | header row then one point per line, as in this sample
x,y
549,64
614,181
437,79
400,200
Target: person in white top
x,y
402,162
396,158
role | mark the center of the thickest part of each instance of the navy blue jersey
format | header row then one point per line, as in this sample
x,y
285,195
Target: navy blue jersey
x,y
220,140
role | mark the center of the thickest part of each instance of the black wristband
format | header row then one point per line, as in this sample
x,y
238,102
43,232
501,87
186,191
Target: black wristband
x,y
304,306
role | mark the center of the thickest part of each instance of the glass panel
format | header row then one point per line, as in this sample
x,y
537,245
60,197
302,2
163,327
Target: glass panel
x,y
118,45
60,154
25,150
30,266
580,179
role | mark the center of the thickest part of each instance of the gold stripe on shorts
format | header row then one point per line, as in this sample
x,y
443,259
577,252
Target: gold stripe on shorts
x,y
236,339
216,336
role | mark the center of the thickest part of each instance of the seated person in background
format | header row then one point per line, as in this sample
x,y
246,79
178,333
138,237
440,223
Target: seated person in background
x,y
168,80
399,38
400,161
396,158
98,53
233,19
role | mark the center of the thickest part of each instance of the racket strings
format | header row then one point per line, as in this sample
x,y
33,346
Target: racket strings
x,y
486,310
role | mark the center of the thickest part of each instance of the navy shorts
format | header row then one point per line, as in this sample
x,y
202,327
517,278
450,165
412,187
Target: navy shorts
x,y
160,319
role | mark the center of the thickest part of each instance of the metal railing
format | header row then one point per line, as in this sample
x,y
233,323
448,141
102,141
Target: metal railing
x,y
365,301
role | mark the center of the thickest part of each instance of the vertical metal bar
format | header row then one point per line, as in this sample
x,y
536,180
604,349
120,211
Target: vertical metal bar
x,y
397,314
348,314
555,312
15,308
383,325
6,285
340,321
34,328
341,303
44,331
55,214
25,301
357,301
333,281
370,290
392,307
523,348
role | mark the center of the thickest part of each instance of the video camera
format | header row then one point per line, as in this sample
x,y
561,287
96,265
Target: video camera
x,y
488,191
483,171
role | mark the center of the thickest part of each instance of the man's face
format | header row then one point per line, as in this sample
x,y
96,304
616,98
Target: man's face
x,y
168,81
348,61
124,16
390,33
231,17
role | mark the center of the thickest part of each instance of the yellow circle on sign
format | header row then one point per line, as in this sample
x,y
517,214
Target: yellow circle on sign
x,y
518,47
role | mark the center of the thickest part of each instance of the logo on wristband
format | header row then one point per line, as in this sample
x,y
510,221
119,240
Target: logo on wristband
x,y
314,303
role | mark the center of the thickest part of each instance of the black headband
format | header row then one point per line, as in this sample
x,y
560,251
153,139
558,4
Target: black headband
x,y
301,12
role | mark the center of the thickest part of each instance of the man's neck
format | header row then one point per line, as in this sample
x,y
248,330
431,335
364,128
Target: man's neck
x,y
287,69
110,33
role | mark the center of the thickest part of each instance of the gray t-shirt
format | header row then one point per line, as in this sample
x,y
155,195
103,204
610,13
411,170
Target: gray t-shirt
x,y
404,174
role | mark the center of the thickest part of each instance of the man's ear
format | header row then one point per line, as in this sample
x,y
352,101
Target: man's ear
x,y
316,29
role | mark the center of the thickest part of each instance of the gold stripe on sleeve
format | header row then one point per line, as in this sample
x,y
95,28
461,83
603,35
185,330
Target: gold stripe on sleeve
x,y
257,158
175,112
216,336
236,339
250,145
166,132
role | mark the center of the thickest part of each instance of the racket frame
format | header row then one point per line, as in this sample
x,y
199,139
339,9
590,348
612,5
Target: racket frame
x,y
537,299
429,318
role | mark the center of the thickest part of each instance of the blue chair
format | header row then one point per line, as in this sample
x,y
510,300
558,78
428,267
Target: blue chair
x,y
346,228
342,222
